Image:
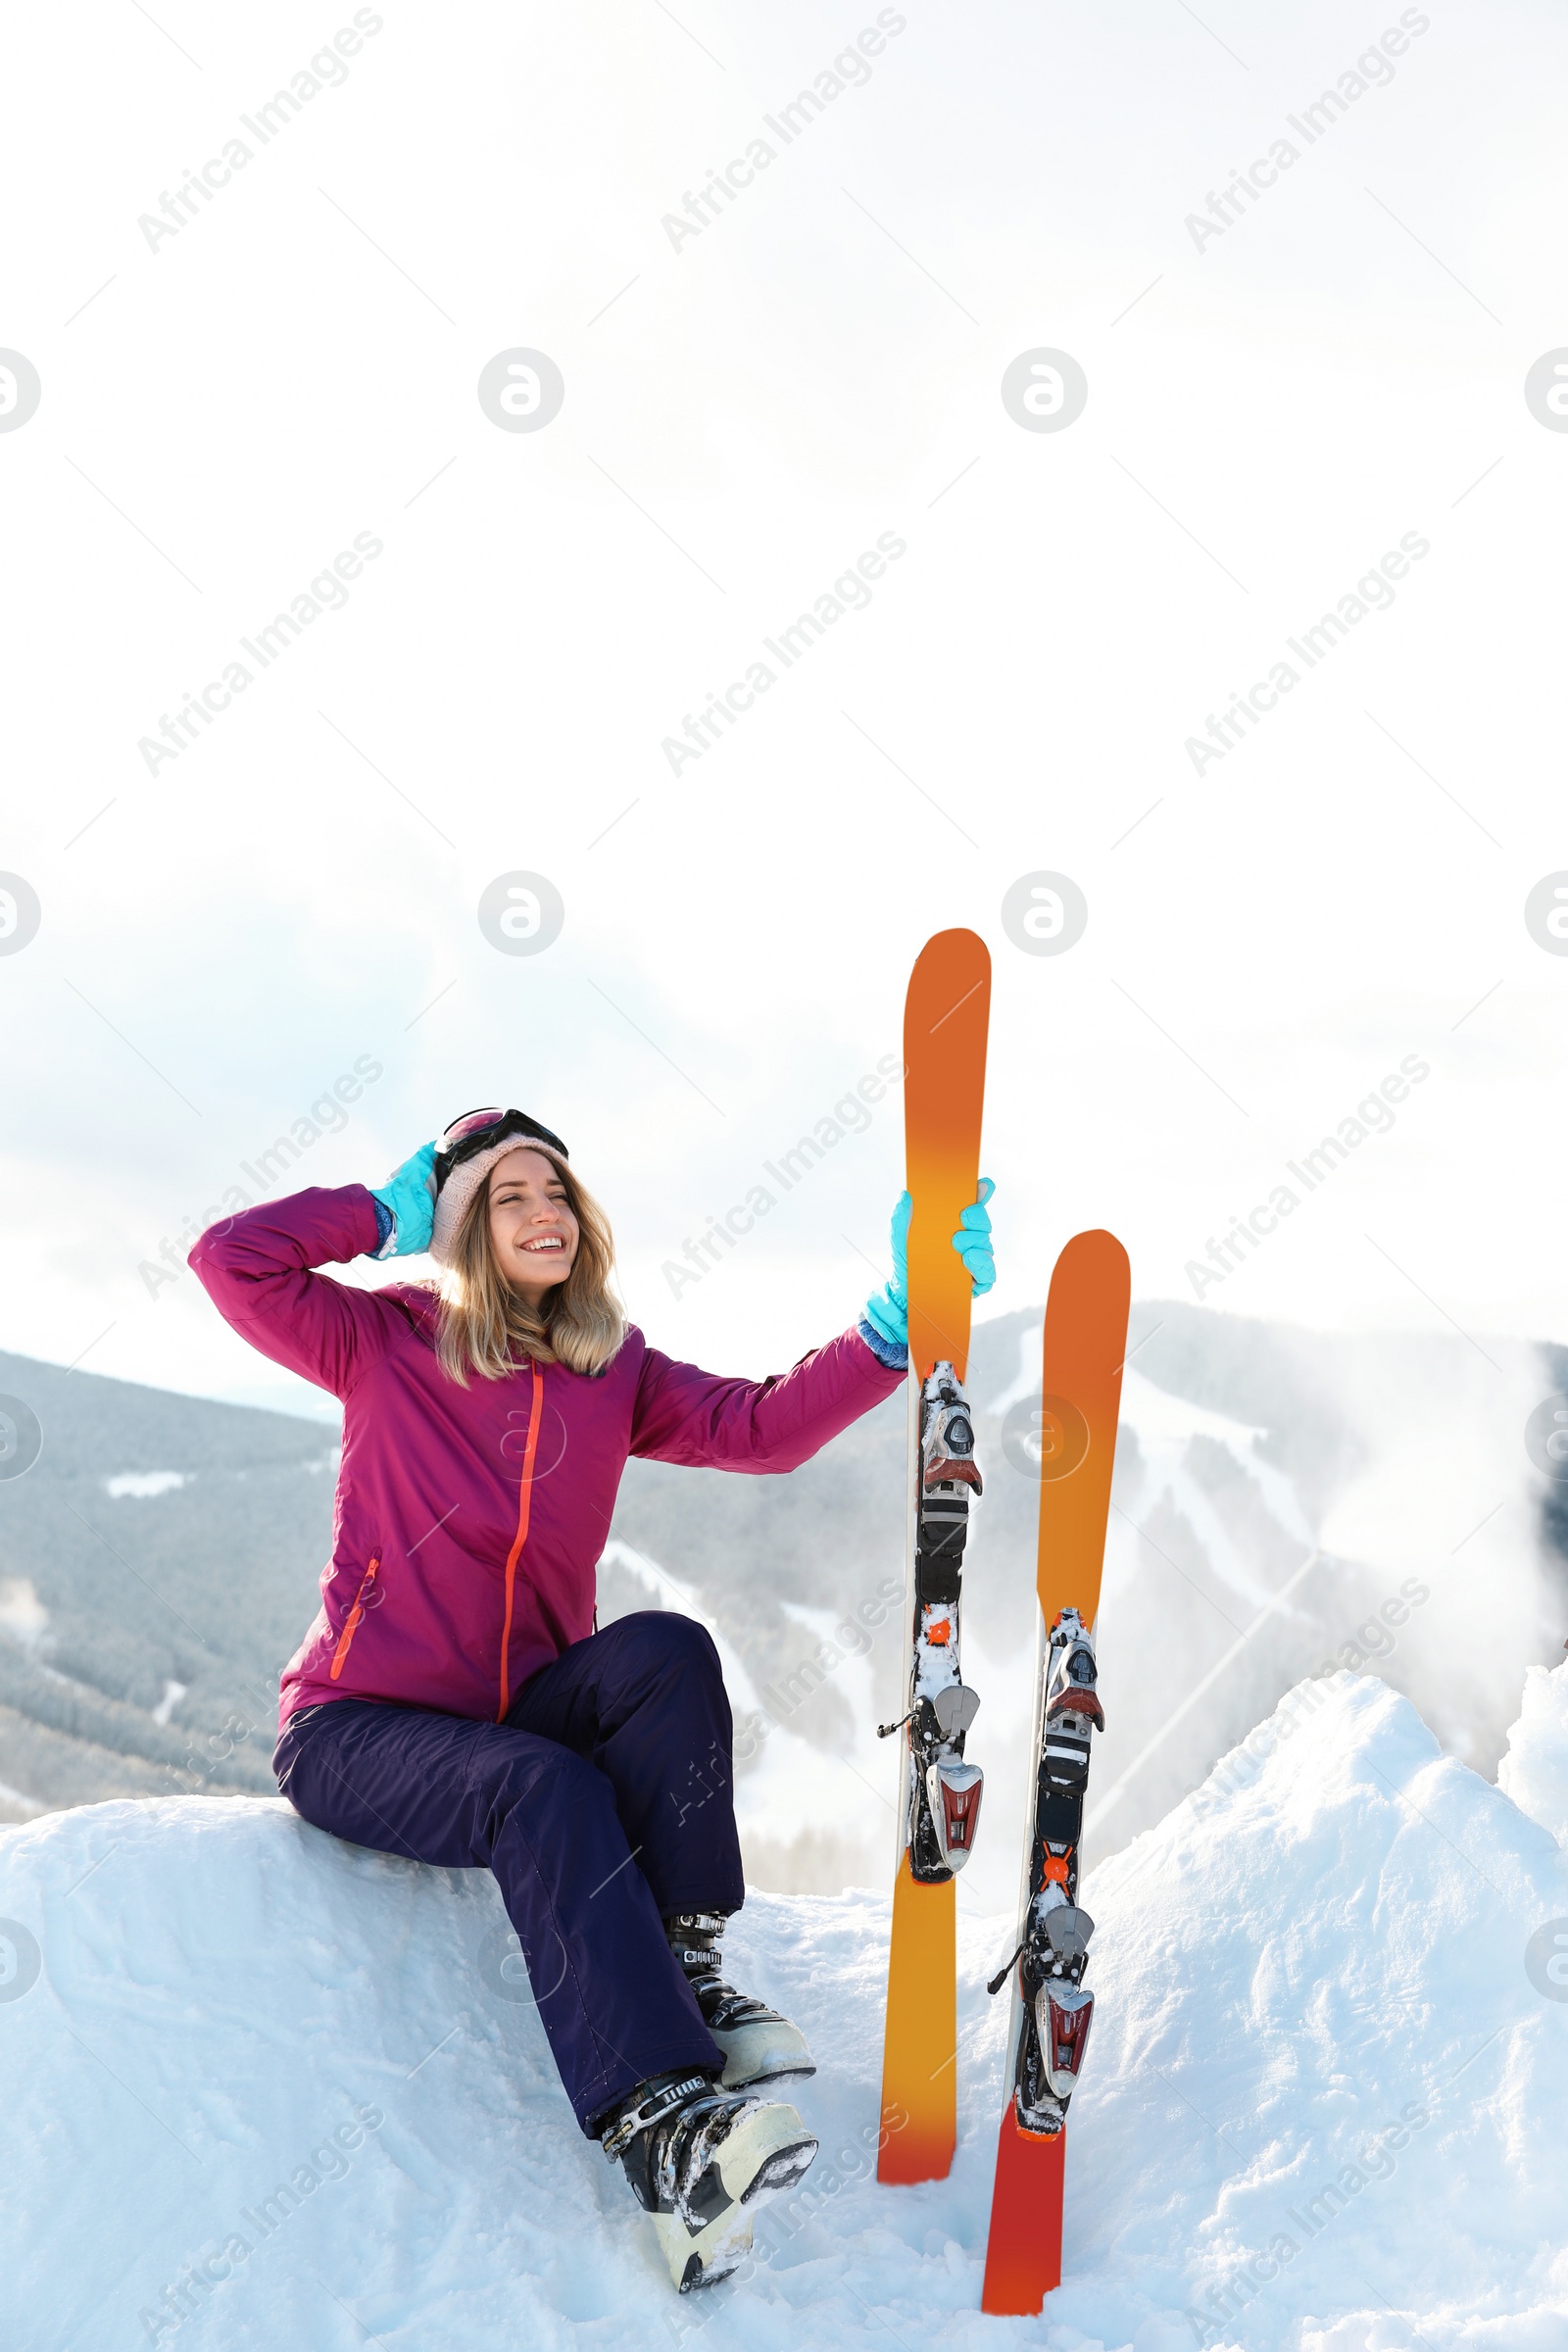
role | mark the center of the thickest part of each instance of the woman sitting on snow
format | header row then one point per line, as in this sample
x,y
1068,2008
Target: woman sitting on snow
x,y
450,1703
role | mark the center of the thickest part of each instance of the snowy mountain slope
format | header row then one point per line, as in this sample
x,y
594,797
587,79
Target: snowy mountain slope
x,y
1286,1501
157,1541
1324,2106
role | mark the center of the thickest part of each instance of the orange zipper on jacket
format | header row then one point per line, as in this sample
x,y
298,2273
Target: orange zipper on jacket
x,y
524,1498
350,1623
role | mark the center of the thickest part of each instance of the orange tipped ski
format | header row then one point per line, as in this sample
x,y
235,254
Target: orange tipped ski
x,y
1085,1342
1084,1349
945,1021
945,1015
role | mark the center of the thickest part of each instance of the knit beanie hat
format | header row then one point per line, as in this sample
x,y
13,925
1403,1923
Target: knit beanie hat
x,y
459,1179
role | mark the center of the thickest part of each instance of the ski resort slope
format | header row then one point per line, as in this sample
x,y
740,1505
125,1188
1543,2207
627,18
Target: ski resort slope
x,y
1325,2104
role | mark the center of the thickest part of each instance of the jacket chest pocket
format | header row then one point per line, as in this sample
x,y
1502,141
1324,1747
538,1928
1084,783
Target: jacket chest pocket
x,y
363,1599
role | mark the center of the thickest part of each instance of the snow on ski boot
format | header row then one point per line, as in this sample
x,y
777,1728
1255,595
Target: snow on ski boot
x,y
701,2160
1072,1704
758,2045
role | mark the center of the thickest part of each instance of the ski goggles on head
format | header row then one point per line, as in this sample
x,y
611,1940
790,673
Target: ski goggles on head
x,y
477,1129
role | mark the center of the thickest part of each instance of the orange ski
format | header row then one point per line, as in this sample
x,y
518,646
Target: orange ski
x,y
945,1015
1085,1345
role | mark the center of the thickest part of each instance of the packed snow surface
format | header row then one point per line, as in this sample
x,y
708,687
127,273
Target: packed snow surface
x,y
1325,2106
1534,1772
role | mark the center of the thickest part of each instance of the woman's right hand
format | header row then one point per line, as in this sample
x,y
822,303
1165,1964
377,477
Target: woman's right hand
x,y
409,1198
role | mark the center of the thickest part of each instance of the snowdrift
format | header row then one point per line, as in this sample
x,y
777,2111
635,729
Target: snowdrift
x,y
259,2090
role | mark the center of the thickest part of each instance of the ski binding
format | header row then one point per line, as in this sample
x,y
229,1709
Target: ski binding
x,y
1053,1954
945,1791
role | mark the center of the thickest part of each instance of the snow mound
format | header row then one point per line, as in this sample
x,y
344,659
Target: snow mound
x,y
1535,1770
1324,2106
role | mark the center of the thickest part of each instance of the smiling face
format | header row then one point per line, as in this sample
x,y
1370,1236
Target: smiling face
x,y
532,1230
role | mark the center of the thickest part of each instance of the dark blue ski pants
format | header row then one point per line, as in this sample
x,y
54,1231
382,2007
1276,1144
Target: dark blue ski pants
x,y
602,1804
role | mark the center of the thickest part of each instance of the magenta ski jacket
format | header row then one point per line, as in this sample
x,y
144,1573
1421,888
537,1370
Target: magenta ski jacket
x,y
470,1521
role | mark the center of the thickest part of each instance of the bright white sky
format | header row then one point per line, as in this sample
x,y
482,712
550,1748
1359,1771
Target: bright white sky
x,y
1344,366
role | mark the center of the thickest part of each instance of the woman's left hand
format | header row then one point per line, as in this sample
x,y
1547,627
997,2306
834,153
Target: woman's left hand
x,y
972,1240
888,1310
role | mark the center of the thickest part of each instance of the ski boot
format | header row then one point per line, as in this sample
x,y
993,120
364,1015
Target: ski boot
x,y
758,2045
699,2160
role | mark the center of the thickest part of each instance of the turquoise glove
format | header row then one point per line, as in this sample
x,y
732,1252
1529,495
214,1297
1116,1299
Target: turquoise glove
x,y
888,1310
972,1240
408,1198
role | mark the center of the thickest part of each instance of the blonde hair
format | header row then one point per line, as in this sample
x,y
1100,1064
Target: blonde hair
x,y
486,1325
